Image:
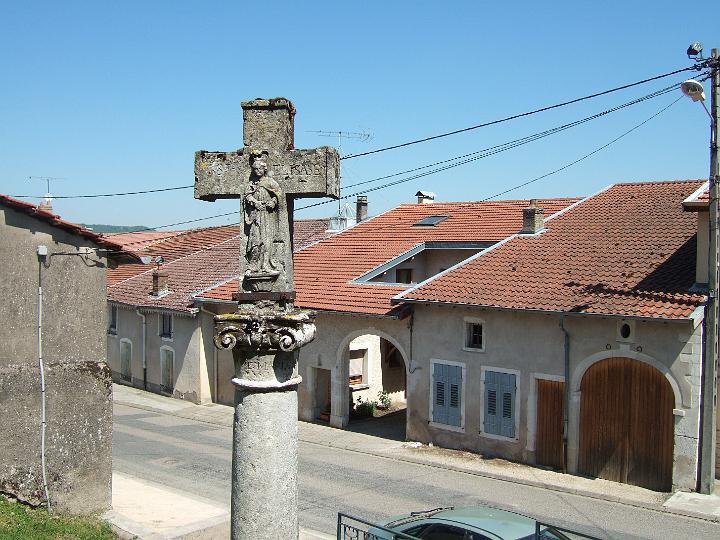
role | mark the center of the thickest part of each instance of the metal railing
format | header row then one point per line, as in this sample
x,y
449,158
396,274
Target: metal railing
x,y
352,528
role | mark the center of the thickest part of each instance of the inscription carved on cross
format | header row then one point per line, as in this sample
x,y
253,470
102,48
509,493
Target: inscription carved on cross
x,y
267,174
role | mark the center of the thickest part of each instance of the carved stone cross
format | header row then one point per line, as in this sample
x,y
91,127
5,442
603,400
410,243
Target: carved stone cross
x,y
266,332
267,174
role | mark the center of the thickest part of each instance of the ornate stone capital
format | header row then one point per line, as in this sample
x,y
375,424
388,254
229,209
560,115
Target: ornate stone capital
x,y
263,332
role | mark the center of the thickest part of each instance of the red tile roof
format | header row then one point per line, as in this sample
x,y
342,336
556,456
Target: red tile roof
x,y
629,250
139,239
186,275
323,271
309,231
57,221
195,260
171,248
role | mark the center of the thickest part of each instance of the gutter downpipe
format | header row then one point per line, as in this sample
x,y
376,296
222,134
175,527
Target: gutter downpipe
x,y
42,256
144,346
566,404
215,356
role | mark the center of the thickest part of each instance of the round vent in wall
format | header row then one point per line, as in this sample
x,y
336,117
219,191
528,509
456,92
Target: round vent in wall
x,y
626,331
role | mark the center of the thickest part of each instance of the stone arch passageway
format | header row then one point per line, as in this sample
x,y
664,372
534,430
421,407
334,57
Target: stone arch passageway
x,y
368,388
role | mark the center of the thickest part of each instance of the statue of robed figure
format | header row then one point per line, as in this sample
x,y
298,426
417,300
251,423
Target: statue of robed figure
x,y
261,205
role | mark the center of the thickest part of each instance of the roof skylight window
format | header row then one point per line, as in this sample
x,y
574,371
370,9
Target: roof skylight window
x,y
430,221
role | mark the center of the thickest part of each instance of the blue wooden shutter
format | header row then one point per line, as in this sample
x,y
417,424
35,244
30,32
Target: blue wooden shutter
x,y
447,394
507,420
492,403
440,394
454,395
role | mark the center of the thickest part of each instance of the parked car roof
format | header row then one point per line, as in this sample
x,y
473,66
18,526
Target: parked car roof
x,y
503,523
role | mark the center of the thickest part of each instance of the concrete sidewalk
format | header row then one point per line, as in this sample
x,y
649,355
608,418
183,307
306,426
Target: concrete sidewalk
x,y
687,504
149,511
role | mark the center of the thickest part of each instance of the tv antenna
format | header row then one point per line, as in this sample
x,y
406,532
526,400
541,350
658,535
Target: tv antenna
x,y
46,203
47,180
357,135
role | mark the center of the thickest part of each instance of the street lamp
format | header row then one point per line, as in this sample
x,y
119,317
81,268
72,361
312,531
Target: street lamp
x,y
708,422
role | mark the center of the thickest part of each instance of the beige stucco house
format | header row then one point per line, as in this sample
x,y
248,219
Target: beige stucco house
x,y
565,333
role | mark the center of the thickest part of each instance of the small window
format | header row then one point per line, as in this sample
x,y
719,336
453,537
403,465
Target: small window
x,y
112,324
167,369
403,275
430,221
125,360
474,335
358,366
500,413
166,325
447,394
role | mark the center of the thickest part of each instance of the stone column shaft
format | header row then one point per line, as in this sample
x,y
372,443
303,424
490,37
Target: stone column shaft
x,y
264,468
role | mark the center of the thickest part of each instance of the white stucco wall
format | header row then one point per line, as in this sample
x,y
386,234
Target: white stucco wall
x,y
193,357
329,351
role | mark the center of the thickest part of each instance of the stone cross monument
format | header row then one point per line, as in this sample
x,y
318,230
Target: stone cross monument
x,y
267,331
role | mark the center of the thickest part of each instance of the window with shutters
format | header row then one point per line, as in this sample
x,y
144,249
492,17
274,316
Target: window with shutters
x,y
500,403
167,369
125,359
474,335
447,393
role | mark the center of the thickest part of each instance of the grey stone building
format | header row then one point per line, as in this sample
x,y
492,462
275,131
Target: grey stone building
x,y
53,333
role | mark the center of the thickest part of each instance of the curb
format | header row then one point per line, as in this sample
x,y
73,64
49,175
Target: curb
x,y
659,507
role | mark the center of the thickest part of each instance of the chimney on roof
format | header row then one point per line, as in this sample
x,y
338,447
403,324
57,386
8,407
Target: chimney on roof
x,y
533,218
361,208
159,282
425,197
46,204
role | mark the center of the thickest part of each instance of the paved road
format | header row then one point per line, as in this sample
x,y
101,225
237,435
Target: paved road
x,y
195,456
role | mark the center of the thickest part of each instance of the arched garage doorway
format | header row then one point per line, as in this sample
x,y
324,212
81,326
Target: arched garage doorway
x,y
627,424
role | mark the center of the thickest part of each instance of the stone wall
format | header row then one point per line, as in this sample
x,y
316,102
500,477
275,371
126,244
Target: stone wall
x,y
79,391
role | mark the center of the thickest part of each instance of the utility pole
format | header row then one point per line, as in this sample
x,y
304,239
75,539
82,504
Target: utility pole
x,y
708,427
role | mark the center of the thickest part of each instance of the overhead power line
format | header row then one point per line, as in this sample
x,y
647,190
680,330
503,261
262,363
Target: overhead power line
x,y
583,158
521,115
96,195
555,171
506,146
524,140
515,187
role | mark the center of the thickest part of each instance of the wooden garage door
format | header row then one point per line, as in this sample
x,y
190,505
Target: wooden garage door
x,y
626,424
549,440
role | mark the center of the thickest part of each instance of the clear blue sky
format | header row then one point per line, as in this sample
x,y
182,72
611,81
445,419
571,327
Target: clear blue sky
x,y
117,96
